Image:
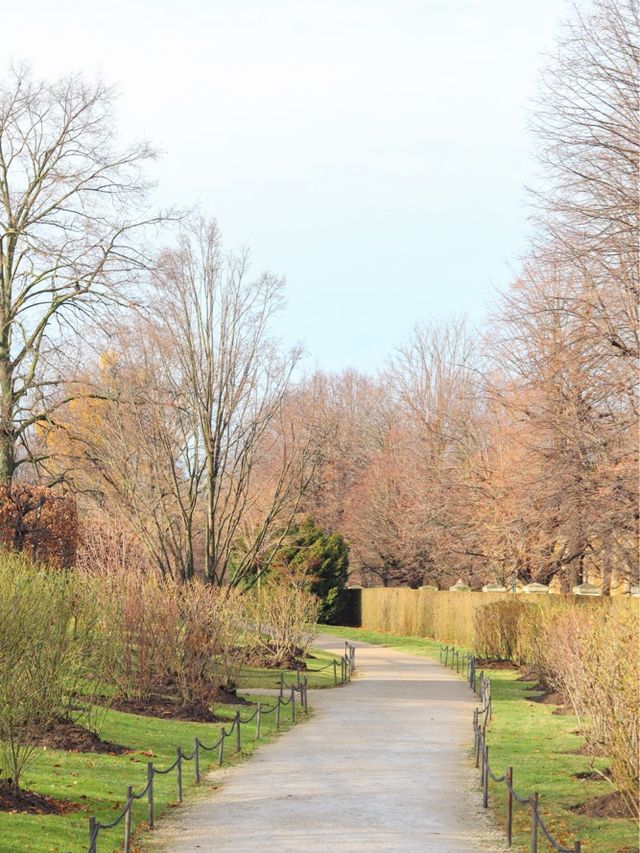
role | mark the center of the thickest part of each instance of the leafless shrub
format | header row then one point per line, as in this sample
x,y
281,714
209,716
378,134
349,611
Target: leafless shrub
x,y
51,654
281,615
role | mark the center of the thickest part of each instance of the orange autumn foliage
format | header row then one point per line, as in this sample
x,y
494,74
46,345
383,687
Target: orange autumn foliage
x,y
41,522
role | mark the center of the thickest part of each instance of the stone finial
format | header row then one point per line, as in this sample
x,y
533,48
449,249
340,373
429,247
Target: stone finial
x,y
538,588
586,589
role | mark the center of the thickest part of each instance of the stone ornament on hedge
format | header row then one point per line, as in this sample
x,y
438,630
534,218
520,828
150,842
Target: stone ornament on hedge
x,y
586,589
460,586
538,588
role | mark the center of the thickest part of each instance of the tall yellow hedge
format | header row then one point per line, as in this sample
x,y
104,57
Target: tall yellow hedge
x,y
450,617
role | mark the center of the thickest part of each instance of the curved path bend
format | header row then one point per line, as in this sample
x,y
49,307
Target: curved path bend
x,y
381,766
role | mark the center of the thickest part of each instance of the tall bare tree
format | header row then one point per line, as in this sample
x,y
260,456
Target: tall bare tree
x,y
70,200
236,380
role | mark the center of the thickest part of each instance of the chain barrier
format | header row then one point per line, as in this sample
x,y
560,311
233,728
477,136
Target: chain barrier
x,y
481,684
347,667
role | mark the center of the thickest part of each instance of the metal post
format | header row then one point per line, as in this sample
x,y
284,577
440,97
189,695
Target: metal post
x,y
485,779
258,722
297,678
509,775
150,793
238,731
278,706
293,704
93,834
306,696
179,772
281,684
196,759
221,748
446,655
335,673
476,728
127,821
534,823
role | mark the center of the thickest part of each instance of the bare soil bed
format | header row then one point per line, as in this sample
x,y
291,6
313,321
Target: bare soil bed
x,y
613,804
32,802
72,737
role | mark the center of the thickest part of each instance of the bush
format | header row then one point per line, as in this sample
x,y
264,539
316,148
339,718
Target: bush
x,y
282,616
41,522
592,658
323,558
208,653
50,654
587,651
167,638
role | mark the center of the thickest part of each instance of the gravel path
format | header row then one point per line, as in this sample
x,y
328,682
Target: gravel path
x,y
381,766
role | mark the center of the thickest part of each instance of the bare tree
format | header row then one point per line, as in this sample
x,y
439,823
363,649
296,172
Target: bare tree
x,y
70,200
588,130
236,382
131,443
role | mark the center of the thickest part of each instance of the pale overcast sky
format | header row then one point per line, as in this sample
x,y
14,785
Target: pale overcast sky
x,y
373,152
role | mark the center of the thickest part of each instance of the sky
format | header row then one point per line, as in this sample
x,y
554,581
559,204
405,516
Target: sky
x,y
372,152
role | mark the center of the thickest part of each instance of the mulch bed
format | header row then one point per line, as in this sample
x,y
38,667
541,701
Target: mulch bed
x,y
496,664
166,708
67,735
32,802
594,775
264,659
528,676
613,804
230,697
551,697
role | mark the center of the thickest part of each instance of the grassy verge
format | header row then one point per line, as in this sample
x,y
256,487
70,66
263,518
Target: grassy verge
x,y
96,783
541,747
411,645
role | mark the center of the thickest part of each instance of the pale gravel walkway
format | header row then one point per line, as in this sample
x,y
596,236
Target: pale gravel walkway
x,y
381,766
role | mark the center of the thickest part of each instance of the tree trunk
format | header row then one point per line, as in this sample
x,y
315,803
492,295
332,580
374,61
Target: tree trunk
x,y
7,428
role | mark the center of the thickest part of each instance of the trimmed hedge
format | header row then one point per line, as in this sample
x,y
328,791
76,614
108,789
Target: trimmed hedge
x,y
450,617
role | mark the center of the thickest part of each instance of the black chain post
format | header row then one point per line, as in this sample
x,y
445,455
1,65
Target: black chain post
x,y
93,834
196,759
534,823
127,821
150,794
179,772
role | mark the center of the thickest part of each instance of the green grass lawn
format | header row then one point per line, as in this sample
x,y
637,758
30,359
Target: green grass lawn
x,y
412,645
97,783
540,746
319,672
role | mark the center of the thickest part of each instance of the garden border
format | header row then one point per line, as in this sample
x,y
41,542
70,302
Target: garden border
x,y
481,684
